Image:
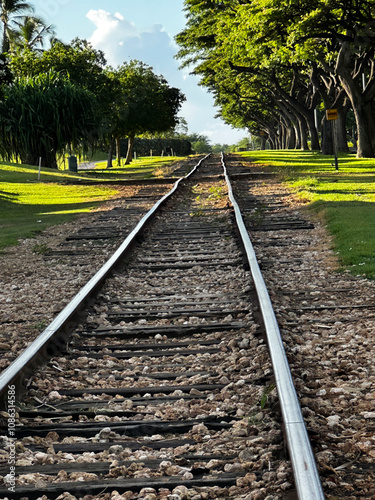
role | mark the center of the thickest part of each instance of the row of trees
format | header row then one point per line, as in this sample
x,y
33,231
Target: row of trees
x,y
272,63
201,144
67,97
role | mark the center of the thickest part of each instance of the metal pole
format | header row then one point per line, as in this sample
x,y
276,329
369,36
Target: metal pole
x,y
335,143
316,119
40,167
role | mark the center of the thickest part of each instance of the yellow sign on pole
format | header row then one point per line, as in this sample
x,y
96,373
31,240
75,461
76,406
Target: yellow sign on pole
x,y
332,114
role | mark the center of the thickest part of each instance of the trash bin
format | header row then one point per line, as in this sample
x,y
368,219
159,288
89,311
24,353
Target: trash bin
x,y
73,164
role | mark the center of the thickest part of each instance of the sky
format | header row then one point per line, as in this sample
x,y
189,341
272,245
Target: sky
x,y
143,30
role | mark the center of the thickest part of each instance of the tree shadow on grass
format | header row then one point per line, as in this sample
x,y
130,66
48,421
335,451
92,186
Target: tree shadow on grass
x,y
18,221
6,195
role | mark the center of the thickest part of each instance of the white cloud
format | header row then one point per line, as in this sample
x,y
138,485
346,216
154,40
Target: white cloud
x,y
121,41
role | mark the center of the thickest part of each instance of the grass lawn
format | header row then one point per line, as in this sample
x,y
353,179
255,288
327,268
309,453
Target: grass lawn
x,y
345,199
141,168
28,206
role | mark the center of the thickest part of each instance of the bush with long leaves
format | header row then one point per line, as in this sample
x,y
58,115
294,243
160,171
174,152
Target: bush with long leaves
x,y
41,116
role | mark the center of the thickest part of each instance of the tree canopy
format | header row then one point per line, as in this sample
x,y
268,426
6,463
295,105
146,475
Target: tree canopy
x,y
270,63
144,103
129,100
21,27
41,115
79,61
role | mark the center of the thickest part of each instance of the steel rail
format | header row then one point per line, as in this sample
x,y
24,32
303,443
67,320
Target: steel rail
x,y
305,471
53,337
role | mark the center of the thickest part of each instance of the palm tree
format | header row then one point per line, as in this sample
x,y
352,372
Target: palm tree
x,y
30,32
10,10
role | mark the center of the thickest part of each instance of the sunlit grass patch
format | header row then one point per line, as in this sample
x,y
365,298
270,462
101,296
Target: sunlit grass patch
x,y
345,199
298,162
339,189
28,206
30,173
142,167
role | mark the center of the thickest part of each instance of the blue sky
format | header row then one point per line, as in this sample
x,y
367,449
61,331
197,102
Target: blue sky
x,y
144,30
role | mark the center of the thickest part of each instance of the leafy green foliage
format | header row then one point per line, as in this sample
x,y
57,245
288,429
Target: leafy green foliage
x,y
264,400
144,102
78,61
11,10
269,63
30,32
41,249
40,115
131,100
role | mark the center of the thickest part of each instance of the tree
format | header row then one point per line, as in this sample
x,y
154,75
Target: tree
x,y
346,32
144,103
30,32
223,44
326,48
199,142
221,148
180,130
201,146
10,12
83,65
41,115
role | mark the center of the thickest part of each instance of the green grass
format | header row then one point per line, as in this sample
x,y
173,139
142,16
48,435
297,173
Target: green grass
x,y
293,162
28,206
141,168
345,199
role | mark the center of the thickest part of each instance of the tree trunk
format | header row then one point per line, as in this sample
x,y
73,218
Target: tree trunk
x,y
291,144
370,117
327,138
5,40
364,140
111,151
302,129
129,154
283,135
306,116
274,139
314,137
271,144
298,136
352,86
341,139
291,136
118,151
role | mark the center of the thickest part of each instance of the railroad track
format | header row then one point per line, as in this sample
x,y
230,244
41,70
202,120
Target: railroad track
x,y
166,386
